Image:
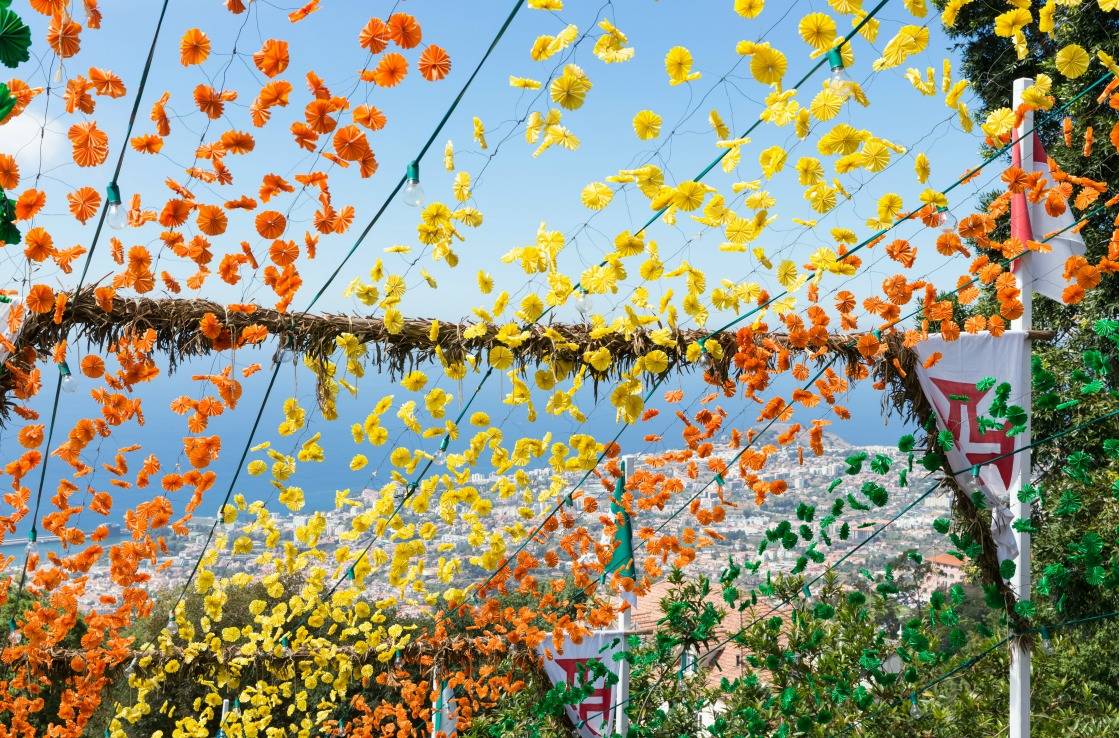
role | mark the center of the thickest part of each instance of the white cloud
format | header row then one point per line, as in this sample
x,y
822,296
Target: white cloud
x,y
20,138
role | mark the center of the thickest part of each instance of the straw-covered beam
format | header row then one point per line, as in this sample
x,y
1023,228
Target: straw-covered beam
x,y
179,334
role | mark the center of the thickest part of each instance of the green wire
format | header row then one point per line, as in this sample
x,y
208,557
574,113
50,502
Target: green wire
x,y
85,270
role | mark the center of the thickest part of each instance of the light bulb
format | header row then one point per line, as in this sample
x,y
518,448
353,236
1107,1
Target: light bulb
x,y
584,303
69,383
440,457
413,194
413,191
118,215
15,637
947,222
914,708
32,548
1046,641
839,81
172,626
58,74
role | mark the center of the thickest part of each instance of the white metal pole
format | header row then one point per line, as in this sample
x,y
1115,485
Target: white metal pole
x,y
625,625
1019,653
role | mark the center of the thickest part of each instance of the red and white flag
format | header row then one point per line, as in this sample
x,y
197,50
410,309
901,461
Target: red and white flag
x,y
1030,222
950,388
595,716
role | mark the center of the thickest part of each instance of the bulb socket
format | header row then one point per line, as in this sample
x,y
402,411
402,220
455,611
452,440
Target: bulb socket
x,y
112,194
413,173
64,369
835,59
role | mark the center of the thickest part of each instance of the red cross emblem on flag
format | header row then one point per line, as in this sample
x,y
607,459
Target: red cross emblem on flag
x,y
963,423
600,701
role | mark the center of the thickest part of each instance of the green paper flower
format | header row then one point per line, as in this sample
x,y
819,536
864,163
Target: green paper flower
x,y
15,38
7,102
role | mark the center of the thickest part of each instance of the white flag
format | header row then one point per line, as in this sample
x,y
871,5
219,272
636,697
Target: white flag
x,y
1029,221
950,388
595,716
444,713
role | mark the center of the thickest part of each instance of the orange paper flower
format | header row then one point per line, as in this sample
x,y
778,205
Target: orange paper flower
x,y
90,144
374,36
194,47
84,203
9,172
40,299
29,203
390,71
272,59
270,224
64,36
435,63
404,30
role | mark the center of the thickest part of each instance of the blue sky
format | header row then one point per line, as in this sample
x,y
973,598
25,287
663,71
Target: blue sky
x,y
515,191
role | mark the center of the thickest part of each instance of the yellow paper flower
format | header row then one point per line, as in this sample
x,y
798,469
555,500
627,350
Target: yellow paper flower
x,y
999,122
461,186
599,359
415,381
393,320
826,105
596,196
922,168
678,64
570,89
768,65
817,30
1072,61
654,362
611,46
480,133
647,125
749,8
1012,21
772,160
524,83
722,130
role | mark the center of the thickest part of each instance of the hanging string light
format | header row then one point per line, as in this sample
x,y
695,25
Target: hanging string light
x,y
945,220
839,81
413,191
69,383
118,215
584,303
32,547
